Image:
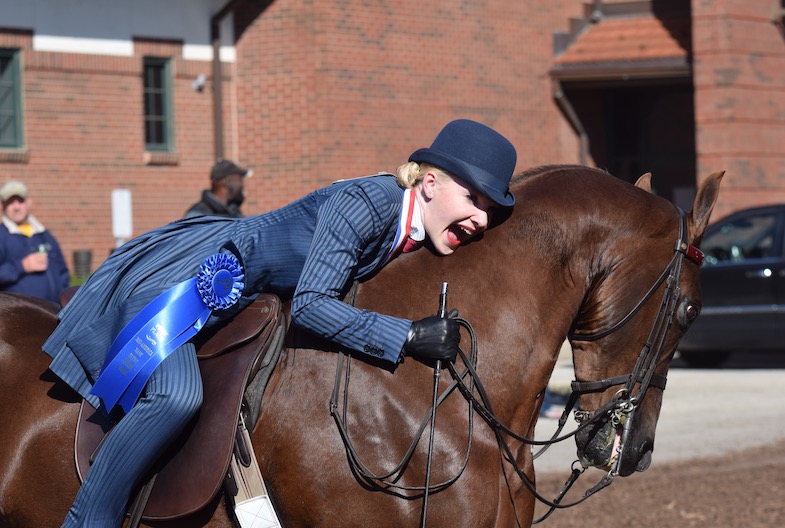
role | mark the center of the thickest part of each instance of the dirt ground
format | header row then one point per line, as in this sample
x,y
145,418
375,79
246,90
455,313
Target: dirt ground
x,y
743,490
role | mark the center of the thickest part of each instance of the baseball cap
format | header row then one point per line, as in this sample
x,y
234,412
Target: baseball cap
x,y
13,188
224,168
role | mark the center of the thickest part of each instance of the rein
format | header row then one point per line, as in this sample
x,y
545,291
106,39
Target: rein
x,y
389,480
621,408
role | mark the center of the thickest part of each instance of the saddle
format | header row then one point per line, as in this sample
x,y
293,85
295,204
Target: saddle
x,y
235,362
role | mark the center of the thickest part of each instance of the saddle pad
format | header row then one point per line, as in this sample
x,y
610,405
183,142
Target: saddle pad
x,y
188,478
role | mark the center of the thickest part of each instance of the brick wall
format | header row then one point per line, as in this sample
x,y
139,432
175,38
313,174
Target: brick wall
x,y
84,136
338,89
739,77
319,91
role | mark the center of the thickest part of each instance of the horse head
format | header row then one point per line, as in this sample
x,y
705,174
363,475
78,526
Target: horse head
x,y
642,295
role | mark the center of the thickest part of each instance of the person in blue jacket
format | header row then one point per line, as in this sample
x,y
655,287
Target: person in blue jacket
x,y
124,339
31,261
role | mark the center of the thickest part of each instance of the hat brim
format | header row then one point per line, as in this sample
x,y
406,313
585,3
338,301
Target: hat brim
x,y
473,175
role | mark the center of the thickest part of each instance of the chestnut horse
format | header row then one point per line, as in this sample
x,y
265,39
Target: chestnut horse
x,y
343,442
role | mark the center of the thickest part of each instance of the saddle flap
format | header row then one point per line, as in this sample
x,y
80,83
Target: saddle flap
x,y
192,472
246,326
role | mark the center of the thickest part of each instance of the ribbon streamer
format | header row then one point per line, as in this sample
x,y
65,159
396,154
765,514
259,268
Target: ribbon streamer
x,y
164,324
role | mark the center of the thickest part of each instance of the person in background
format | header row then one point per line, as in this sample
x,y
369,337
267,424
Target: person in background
x,y
226,192
31,261
549,407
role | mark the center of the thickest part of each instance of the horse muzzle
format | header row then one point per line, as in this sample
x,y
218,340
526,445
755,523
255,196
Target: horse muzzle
x,y
609,444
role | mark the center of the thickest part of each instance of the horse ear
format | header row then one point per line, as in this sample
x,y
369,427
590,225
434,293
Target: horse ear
x,y
644,182
708,192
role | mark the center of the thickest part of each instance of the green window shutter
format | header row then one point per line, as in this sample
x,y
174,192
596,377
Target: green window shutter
x,y
157,93
10,99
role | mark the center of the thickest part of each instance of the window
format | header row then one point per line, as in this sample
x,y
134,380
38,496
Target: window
x,y
158,134
10,100
745,237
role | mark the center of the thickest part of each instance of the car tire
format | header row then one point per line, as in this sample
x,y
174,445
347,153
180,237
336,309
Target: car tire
x,y
703,359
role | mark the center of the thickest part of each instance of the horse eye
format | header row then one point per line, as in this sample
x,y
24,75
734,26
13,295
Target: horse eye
x,y
692,312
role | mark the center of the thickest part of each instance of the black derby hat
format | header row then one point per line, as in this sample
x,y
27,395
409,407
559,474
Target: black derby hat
x,y
477,154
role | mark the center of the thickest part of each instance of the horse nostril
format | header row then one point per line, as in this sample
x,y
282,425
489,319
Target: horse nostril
x,y
644,462
646,449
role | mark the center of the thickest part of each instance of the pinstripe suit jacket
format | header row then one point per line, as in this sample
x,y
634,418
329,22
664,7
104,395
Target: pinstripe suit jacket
x,y
310,251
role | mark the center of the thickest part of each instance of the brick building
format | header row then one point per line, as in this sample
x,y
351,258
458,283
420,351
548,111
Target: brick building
x,y
308,92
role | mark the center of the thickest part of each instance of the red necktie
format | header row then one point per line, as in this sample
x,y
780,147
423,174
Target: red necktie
x,y
411,245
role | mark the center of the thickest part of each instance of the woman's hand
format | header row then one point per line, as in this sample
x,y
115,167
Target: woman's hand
x,y
434,338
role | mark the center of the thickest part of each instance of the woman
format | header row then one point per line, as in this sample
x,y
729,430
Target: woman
x,y
310,251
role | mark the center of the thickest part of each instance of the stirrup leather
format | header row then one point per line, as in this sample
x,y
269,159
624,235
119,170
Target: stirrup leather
x,y
252,505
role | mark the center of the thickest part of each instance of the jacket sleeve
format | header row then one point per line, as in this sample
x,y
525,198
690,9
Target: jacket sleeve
x,y
346,224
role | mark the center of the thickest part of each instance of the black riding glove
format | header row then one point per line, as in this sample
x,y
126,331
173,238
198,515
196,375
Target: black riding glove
x,y
434,338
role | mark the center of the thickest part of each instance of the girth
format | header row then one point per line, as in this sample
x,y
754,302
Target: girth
x,y
193,470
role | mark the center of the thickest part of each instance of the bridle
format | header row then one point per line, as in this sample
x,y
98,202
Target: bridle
x,y
620,409
643,372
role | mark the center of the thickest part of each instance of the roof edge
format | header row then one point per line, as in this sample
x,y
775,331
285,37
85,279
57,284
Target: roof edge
x,y
623,70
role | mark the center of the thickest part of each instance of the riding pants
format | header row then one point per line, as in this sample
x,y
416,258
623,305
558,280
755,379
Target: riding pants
x,y
171,398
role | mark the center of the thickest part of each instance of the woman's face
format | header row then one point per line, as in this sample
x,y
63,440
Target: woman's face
x,y
453,211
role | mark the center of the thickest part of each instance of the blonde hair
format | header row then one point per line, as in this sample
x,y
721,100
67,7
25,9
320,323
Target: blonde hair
x,y
411,173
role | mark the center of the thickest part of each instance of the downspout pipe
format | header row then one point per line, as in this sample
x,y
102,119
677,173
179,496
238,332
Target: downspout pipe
x,y
572,116
215,37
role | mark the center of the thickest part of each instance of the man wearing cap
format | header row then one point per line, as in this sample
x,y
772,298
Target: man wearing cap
x,y
30,258
226,192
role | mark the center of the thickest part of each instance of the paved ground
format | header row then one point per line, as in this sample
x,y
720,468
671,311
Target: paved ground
x,y
719,458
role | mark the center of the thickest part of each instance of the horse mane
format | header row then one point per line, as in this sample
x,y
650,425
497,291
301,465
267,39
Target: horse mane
x,y
556,221
542,170
580,225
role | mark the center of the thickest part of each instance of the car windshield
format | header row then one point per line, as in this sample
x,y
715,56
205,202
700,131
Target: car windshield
x,y
749,237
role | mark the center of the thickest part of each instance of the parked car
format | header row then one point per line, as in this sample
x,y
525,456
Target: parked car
x,y
743,283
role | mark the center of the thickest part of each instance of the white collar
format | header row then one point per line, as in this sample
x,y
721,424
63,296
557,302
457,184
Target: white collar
x,y
13,227
417,231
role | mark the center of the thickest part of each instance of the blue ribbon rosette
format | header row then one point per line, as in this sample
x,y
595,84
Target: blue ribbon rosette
x,y
164,324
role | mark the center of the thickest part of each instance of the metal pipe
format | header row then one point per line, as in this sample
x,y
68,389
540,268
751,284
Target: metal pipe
x,y
572,117
215,36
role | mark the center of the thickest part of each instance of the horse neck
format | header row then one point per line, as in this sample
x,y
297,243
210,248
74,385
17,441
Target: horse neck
x,y
520,301
551,252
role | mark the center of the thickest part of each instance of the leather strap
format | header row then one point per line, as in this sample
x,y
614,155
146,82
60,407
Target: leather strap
x,y
138,506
